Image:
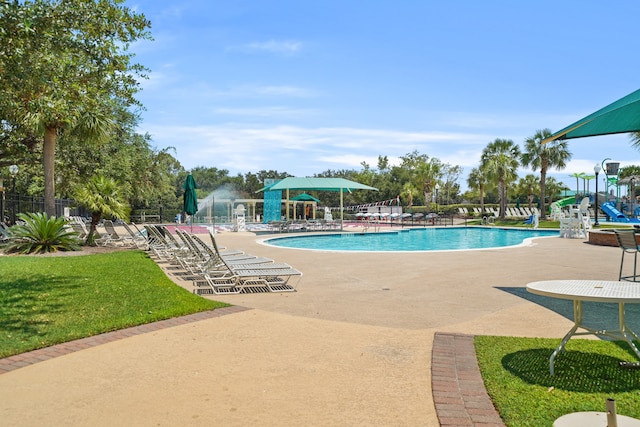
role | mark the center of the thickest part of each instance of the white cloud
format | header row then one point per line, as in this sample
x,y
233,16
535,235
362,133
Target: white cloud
x,y
305,151
273,111
279,47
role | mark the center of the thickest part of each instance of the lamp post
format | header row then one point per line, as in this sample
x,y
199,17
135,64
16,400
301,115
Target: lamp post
x,y
596,169
13,170
437,188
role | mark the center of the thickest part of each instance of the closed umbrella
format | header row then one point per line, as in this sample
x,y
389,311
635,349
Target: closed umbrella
x,y
190,200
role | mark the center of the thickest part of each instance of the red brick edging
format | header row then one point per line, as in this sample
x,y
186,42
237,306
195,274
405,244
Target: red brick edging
x,y
25,359
458,390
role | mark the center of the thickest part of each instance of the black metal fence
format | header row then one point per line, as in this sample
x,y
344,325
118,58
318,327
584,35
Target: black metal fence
x,y
13,204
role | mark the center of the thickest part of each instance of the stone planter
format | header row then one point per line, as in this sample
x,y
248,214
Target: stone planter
x,y
605,237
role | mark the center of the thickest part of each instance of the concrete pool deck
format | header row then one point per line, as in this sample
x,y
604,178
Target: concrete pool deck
x,y
352,347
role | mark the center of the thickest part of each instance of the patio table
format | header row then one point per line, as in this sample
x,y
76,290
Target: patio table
x,y
598,291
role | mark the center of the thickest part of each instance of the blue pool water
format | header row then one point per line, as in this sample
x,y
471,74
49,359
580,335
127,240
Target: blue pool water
x,y
423,239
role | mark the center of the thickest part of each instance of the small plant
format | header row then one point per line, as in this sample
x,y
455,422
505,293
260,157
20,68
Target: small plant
x,y
40,233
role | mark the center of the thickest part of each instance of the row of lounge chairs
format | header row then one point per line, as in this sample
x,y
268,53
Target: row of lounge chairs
x,y
304,225
522,212
109,236
216,271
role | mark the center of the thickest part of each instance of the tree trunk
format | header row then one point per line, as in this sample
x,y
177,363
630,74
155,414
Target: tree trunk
x,y
93,233
543,194
427,201
48,157
502,191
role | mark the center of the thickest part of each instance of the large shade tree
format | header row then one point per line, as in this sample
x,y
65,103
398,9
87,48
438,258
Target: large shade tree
x,y
500,161
554,154
65,67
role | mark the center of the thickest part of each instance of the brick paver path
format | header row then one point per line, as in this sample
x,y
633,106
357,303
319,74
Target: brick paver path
x,y
458,389
21,360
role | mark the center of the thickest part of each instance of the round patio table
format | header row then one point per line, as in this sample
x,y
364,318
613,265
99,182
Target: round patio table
x,y
599,291
593,419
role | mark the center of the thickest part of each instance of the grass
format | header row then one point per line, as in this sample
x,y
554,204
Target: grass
x,y
49,300
516,375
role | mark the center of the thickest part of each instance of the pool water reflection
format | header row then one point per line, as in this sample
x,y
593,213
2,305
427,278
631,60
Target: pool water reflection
x,y
422,239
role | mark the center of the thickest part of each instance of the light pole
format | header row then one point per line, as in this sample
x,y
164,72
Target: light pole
x,y
437,198
597,170
13,170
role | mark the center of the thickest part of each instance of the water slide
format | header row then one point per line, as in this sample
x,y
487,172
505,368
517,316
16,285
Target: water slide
x,y
566,201
612,212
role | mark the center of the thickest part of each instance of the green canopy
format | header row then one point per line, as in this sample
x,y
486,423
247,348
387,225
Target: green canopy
x,y
304,197
318,184
621,116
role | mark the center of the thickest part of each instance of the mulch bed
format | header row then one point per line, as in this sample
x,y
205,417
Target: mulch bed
x,y
85,250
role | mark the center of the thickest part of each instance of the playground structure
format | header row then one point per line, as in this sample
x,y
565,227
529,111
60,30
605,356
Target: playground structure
x,y
625,209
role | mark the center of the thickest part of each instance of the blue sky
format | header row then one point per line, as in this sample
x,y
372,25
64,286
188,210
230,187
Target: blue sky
x,y
307,86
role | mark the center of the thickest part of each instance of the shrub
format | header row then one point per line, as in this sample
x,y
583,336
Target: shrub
x,y
40,233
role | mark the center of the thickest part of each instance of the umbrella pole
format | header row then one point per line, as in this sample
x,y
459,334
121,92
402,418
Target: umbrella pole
x,y
341,210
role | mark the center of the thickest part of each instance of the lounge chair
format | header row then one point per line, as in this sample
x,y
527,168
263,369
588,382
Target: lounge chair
x,y
80,229
163,249
532,221
135,237
111,237
4,232
227,278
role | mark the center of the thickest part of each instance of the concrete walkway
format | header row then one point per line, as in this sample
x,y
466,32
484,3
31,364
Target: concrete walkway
x,y
352,347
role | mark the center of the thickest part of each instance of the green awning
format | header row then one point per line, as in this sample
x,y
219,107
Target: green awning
x,y
304,197
319,184
622,116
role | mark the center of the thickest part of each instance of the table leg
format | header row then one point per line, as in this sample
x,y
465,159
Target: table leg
x,y
577,322
625,331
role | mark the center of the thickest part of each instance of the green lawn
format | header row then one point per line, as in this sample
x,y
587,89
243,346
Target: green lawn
x,y
516,375
49,300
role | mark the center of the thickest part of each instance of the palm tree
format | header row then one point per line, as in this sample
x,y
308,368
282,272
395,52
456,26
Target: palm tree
x,y
578,176
477,181
103,198
499,160
90,126
427,175
635,139
529,185
554,154
554,187
409,191
585,183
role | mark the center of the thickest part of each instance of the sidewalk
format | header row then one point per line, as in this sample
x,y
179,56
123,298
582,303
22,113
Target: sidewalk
x,y
352,347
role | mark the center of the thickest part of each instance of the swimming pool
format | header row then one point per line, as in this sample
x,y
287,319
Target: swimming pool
x,y
412,240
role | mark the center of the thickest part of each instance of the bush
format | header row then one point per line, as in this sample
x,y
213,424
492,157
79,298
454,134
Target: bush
x,y
40,233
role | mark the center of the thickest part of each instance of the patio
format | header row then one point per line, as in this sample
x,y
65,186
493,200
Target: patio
x,y
351,347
